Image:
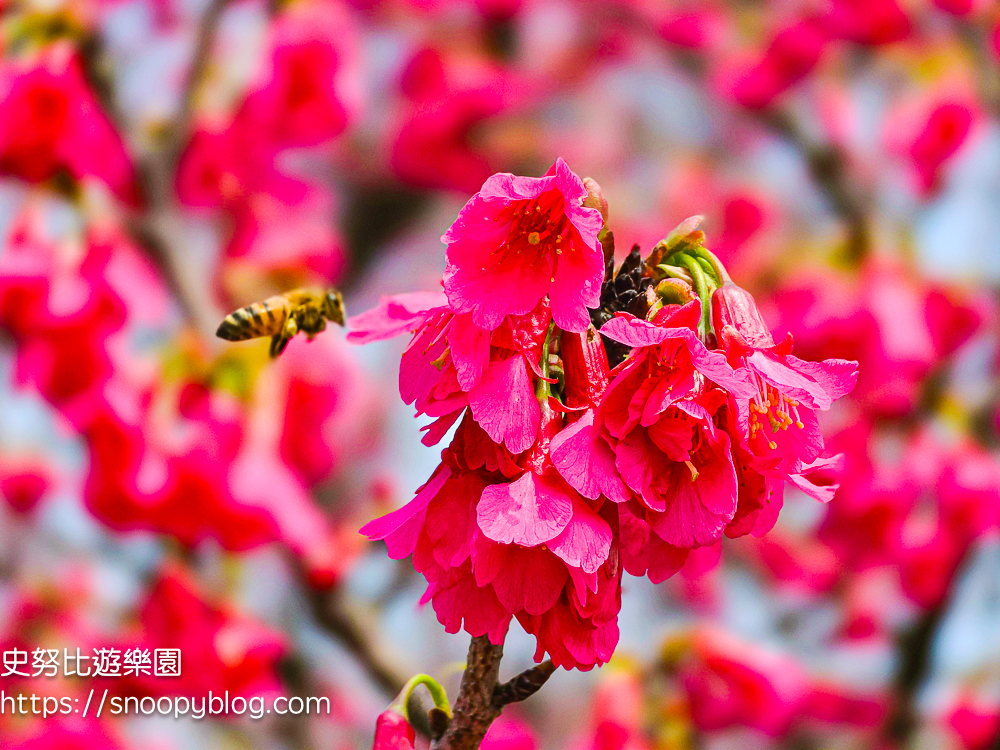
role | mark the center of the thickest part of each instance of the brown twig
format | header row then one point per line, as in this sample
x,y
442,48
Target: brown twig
x,y
481,698
915,652
914,647
97,70
157,227
524,685
475,708
828,166
160,227
179,131
826,162
331,614
975,38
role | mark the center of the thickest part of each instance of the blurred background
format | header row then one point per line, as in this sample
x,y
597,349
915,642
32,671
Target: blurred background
x,y
166,161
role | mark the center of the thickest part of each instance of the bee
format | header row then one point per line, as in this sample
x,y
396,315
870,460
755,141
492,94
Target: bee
x,y
284,315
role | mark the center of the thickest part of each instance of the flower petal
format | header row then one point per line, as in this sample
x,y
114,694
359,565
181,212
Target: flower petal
x,y
578,275
382,527
815,384
504,404
528,511
586,540
587,462
402,313
524,578
470,350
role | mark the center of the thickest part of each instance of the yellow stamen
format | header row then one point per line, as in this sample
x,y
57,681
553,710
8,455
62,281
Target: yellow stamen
x,y
694,471
534,238
439,362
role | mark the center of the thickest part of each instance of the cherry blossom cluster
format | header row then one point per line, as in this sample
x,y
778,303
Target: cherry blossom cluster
x,y
567,469
223,461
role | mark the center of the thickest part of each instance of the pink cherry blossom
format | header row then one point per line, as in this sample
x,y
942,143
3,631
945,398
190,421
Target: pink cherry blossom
x,y
492,548
231,650
310,87
50,120
509,733
776,432
730,683
872,23
616,719
60,733
975,721
791,56
393,732
522,238
447,97
451,363
658,413
24,481
947,127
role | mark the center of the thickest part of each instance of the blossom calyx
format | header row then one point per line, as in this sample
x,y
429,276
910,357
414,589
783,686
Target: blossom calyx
x,y
595,197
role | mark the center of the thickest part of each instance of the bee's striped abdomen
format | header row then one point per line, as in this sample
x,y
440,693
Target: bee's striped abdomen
x,y
259,319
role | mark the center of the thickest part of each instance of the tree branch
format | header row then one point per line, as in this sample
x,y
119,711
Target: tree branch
x,y
204,41
828,167
914,647
475,708
975,38
524,685
330,613
481,698
158,227
915,655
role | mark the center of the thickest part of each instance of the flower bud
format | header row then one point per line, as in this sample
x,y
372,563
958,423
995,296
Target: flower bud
x,y
393,732
586,368
675,292
595,198
734,308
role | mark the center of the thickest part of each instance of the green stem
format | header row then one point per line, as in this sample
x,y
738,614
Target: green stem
x,y
438,694
543,388
704,286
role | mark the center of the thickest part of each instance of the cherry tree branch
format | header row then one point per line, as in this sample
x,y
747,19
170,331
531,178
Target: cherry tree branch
x,y
475,708
914,648
481,697
828,167
827,163
335,618
975,38
524,685
915,656
158,227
